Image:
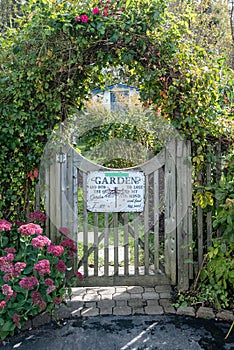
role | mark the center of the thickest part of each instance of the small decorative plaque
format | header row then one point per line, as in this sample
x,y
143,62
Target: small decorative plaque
x,y
115,191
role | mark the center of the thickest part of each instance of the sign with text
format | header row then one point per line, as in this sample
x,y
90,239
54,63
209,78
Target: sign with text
x,y
115,191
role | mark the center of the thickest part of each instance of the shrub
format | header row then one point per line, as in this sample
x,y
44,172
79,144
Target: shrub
x,y
32,273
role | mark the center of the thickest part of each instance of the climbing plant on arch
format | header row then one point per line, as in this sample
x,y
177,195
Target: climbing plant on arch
x,y
56,56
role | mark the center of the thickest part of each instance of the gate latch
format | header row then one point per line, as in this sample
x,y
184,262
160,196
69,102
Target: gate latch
x,y
61,158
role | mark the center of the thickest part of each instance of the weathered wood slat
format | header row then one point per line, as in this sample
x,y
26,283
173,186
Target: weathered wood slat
x,y
85,225
106,245
170,211
156,221
126,244
136,244
95,230
200,227
190,210
116,245
146,227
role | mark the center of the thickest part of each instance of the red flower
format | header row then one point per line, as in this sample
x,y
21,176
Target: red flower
x,y
95,11
16,319
2,305
5,225
37,215
60,266
79,275
84,18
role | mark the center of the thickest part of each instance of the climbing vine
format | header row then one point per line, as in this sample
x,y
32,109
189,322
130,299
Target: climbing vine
x,y
55,57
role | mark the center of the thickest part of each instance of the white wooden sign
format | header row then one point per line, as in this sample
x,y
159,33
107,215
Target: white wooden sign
x,y
115,191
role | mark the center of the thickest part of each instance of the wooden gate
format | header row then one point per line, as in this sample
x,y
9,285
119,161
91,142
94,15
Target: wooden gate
x,y
147,248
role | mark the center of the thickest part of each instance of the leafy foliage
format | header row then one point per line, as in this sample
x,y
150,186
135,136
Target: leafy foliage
x,y
33,273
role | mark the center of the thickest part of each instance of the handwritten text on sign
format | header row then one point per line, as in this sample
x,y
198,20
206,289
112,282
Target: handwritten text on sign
x,y
109,191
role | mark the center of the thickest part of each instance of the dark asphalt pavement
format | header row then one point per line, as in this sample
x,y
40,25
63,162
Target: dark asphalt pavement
x,y
161,332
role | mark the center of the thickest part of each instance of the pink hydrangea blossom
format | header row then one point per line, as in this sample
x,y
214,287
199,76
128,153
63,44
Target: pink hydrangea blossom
x,y
16,319
95,10
7,290
41,241
10,257
30,229
5,225
57,301
37,215
50,289
42,267
5,265
49,282
56,250
28,282
19,266
10,250
38,300
79,275
2,305
60,266
84,18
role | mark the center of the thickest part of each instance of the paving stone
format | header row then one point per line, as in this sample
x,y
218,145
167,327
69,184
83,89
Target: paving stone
x,y
135,296
167,306
225,315
121,302
90,311
154,310
90,304
41,319
152,302
106,307
63,312
135,290
106,290
138,311
205,312
106,296
188,311
150,295
78,291
122,310
120,289
163,289
137,302
149,290
165,295
121,296
103,303
91,297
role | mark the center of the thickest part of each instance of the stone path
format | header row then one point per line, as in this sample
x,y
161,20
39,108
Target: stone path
x,y
124,301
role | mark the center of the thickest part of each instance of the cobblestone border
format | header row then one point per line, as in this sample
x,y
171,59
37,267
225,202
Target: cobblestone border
x,y
87,302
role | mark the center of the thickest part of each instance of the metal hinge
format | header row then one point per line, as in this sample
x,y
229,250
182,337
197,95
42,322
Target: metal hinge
x,y
61,158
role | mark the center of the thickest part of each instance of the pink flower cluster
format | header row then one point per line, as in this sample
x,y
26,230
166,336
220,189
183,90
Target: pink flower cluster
x,y
68,243
5,225
7,290
2,305
14,271
37,215
28,282
79,275
84,18
38,300
61,266
56,250
16,319
50,283
41,241
30,229
42,267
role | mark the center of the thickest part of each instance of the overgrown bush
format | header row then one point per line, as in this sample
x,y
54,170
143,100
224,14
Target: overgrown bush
x,y
32,273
